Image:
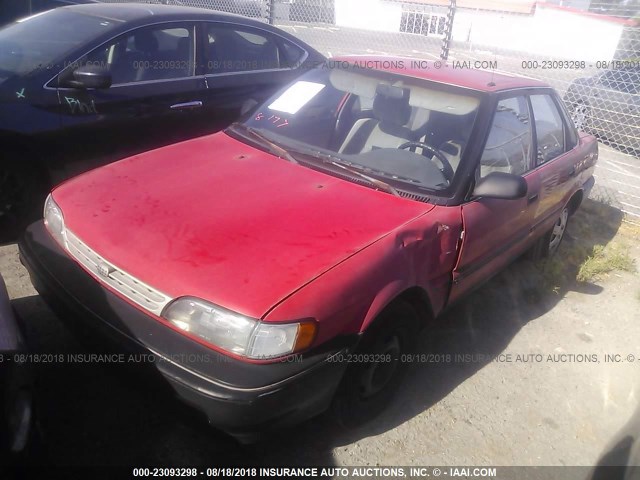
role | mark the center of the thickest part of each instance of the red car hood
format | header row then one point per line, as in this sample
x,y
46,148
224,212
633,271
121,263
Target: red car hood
x,y
219,220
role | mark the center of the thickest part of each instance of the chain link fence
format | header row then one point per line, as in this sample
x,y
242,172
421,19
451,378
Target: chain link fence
x,y
588,51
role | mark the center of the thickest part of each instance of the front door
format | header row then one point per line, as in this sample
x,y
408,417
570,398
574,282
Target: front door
x,y
155,98
496,231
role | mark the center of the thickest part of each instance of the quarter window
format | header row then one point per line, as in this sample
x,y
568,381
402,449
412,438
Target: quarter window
x,y
549,128
508,147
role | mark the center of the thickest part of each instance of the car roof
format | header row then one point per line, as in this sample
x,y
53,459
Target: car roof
x,y
444,72
128,12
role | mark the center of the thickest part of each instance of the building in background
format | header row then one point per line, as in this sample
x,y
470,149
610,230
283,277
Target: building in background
x,y
536,28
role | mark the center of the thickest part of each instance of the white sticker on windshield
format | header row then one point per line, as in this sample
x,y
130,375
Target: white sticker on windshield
x,y
296,97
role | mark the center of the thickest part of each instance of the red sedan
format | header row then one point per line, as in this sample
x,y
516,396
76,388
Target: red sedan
x,y
285,264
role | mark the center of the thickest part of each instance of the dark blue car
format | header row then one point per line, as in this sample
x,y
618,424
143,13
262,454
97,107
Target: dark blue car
x,y
84,85
11,10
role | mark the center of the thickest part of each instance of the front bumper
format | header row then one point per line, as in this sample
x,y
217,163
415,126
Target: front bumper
x,y
239,397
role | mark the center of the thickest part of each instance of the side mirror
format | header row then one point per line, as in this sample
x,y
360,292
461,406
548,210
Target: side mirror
x,y
90,77
501,185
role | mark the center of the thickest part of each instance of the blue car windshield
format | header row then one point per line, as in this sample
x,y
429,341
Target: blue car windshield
x,y
43,40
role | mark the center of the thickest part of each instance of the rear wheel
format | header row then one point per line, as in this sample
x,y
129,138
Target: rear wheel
x,y
549,243
372,379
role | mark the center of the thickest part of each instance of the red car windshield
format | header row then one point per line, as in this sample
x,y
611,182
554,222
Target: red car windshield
x,y
391,128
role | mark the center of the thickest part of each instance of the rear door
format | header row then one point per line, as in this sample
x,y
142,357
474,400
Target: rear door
x,y
496,231
156,96
244,66
557,158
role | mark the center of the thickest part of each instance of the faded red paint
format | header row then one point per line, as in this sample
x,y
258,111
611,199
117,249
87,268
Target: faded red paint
x,y
220,220
217,219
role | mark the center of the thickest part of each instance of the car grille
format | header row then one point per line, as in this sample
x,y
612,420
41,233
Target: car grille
x,y
143,295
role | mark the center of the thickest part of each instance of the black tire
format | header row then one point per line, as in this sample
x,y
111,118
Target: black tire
x,y
21,192
549,243
368,386
21,441
21,422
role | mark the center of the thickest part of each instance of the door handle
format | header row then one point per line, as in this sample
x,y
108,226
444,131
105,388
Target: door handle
x,y
532,199
187,105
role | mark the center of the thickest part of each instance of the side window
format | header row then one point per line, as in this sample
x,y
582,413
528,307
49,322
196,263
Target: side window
x,y
232,49
508,147
549,128
149,53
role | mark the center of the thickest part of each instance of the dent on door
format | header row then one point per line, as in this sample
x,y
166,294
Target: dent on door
x,y
495,231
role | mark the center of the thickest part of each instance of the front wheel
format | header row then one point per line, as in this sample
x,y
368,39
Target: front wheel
x,y
377,369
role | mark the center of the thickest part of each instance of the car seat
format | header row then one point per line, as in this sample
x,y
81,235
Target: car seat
x,y
388,128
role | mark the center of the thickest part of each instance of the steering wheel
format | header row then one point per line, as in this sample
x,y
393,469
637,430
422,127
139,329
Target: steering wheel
x,y
447,169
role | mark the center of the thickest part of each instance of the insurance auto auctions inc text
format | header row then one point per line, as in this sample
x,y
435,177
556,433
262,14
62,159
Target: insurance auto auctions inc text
x,y
377,472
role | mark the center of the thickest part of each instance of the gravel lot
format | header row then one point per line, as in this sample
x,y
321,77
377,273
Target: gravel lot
x,y
561,410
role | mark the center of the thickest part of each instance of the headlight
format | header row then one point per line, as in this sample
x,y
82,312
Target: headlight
x,y
54,221
236,333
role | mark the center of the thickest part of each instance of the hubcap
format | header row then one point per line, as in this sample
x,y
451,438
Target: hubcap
x,y
558,231
379,374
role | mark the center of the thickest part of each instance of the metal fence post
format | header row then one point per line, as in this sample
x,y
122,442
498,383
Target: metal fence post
x,y
271,11
448,30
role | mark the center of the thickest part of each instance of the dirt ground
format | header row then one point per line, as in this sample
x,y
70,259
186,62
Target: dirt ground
x,y
518,376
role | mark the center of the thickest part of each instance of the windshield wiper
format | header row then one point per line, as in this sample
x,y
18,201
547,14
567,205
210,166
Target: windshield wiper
x,y
378,183
275,148
338,162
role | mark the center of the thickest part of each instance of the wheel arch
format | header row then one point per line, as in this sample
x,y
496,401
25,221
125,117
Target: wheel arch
x,y
416,296
575,201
